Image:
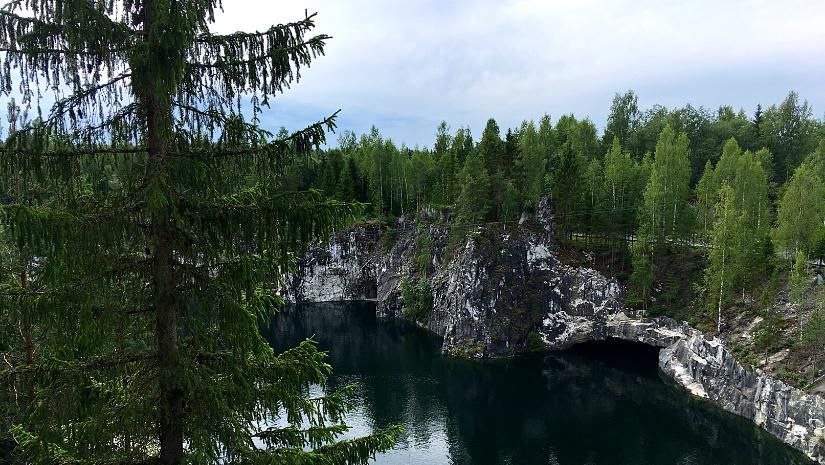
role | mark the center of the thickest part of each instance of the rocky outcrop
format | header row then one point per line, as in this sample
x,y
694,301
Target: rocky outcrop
x,y
342,269
707,369
503,291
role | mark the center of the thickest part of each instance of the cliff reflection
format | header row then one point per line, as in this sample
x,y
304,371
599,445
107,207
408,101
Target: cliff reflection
x,y
596,404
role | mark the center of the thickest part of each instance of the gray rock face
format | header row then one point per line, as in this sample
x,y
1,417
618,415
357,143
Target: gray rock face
x,y
503,291
342,269
708,370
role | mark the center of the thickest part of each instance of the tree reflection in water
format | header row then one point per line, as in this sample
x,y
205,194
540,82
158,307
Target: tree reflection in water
x,y
600,403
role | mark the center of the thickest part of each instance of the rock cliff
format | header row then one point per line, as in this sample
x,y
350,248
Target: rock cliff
x,y
503,291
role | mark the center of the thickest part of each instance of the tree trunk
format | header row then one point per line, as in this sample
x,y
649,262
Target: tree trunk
x,y
721,292
157,113
166,315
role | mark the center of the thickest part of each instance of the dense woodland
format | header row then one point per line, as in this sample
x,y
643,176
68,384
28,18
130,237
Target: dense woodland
x,y
742,193
146,222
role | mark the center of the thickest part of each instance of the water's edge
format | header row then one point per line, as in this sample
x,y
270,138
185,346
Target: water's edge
x,y
599,402
505,293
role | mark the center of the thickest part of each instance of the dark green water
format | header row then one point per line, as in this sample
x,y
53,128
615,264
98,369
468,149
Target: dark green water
x,y
598,404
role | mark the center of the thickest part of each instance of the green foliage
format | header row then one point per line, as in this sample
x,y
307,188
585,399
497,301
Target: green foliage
x,y
707,192
473,204
642,275
593,177
565,181
767,333
665,213
722,268
799,225
531,164
534,341
621,191
159,223
739,239
388,237
423,250
511,204
418,299
347,182
799,280
491,148
623,119
789,132
813,338
421,178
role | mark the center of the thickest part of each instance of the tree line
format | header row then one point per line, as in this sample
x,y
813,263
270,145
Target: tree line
x,y
746,189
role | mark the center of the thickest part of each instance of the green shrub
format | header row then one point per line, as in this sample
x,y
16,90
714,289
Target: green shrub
x,y
418,299
534,341
423,250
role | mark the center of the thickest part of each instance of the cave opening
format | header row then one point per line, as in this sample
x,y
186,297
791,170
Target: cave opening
x,y
619,353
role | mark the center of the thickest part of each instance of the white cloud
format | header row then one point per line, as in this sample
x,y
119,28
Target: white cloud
x,y
406,65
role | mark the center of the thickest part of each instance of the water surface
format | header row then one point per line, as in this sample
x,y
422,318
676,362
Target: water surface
x,y
597,404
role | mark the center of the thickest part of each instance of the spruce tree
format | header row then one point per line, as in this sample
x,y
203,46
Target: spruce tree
x,y
473,204
151,211
347,180
531,163
813,338
566,181
443,140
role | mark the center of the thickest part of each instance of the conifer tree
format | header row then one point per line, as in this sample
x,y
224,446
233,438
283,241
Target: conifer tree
x,y
531,163
491,147
643,273
442,140
547,140
813,337
332,166
346,190
565,181
164,239
594,178
473,204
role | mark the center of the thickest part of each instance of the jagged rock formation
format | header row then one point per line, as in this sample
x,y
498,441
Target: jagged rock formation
x,y
707,369
503,291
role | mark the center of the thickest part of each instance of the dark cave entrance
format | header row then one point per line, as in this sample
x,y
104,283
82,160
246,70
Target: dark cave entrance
x,y
619,353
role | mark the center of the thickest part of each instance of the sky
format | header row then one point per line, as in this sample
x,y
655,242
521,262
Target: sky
x,y
404,66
